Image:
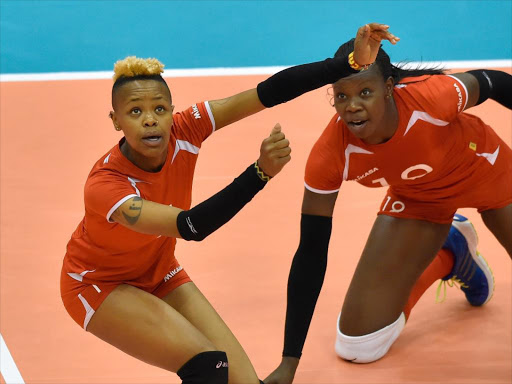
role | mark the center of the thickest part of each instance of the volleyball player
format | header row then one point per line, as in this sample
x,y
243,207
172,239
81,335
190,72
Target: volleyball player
x,y
404,129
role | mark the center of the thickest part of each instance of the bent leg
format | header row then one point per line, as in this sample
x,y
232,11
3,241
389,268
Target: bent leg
x,y
499,222
145,327
191,303
396,253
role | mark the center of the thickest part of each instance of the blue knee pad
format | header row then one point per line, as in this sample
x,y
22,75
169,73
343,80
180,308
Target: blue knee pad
x,y
205,368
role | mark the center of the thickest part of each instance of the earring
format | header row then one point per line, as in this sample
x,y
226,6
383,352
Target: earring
x,y
118,128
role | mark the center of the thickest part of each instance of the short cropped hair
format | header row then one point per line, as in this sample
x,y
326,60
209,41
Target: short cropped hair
x,y
132,66
135,68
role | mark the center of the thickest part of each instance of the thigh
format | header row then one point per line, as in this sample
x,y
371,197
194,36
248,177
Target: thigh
x,y
396,253
191,303
499,222
144,326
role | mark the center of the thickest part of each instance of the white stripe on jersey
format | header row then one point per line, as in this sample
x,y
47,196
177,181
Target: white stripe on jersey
x,y
352,149
186,146
320,191
210,114
419,115
491,157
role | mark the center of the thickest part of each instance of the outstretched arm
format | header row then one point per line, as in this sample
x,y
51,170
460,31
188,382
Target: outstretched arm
x,y
305,280
483,84
295,81
196,223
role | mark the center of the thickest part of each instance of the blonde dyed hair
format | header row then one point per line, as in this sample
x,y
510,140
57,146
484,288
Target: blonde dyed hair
x,y
132,66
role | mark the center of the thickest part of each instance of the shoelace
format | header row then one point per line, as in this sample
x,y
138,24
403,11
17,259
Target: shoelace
x,y
454,281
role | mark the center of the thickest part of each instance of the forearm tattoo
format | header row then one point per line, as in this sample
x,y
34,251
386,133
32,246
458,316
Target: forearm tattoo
x,y
134,210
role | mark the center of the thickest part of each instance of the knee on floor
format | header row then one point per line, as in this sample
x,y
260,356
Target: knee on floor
x,y
368,348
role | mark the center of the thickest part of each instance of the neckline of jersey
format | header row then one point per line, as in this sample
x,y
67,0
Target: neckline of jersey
x,y
135,168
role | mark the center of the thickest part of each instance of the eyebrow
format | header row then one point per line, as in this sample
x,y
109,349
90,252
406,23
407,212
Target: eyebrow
x,y
139,99
361,84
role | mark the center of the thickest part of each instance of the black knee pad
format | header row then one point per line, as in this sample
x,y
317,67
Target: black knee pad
x,y
205,368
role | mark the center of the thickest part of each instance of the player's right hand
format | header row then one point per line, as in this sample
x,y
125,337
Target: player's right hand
x,y
367,42
274,152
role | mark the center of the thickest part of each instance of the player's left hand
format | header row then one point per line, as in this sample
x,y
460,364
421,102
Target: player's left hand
x,y
274,152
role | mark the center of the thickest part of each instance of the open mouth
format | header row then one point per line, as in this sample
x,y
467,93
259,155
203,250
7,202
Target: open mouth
x,y
152,140
357,124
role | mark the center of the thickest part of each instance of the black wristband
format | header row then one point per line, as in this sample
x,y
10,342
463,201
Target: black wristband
x,y
295,81
496,85
208,216
305,281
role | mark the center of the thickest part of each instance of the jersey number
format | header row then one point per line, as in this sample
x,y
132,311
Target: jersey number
x,y
405,174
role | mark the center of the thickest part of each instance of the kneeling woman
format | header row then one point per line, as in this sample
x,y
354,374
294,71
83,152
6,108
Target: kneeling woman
x,y
405,129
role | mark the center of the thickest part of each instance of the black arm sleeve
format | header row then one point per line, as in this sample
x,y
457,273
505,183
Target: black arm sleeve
x,y
210,215
305,281
295,81
496,85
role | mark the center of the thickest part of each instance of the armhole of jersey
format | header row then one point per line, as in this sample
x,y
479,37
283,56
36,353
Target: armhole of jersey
x,y
210,114
465,91
320,191
117,205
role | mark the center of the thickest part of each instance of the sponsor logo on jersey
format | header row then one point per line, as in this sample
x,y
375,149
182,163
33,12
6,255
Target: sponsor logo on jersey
x,y
195,111
172,273
459,93
367,173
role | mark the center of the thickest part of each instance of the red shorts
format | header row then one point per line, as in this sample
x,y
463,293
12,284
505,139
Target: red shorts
x,y
489,188
81,300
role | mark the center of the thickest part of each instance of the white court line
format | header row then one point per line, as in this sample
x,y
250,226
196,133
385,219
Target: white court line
x,y
8,367
241,71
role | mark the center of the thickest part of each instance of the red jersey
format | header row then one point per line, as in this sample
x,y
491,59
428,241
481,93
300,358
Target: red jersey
x,y
433,154
104,251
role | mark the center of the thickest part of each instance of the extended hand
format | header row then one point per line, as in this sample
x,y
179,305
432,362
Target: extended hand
x,y
274,152
368,39
285,373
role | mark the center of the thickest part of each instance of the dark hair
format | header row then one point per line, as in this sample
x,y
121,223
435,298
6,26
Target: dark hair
x,y
126,79
397,72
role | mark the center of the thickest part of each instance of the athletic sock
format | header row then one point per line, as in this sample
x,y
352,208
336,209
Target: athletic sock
x,y
441,266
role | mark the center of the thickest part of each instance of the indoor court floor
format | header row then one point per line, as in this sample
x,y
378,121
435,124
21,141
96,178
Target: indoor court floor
x,y
54,131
